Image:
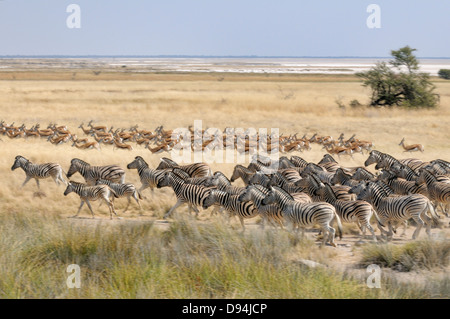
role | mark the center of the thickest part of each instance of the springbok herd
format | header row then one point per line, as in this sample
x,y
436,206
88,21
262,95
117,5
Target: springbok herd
x,y
288,191
161,140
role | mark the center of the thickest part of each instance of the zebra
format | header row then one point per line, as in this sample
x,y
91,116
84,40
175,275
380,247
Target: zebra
x,y
438,192
357,211
312,184
255,194
91,174
222,182
302,215
386,161
193,170
243,210
298,161
342,178
401,186
123,190
148,177
92,193
392,210
362,174
242,172
193,195
39,171
320,172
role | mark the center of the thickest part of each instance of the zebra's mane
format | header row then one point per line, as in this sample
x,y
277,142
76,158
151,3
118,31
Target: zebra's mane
x,y
221,176
77,160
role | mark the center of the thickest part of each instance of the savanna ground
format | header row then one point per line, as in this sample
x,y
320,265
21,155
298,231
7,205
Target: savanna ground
x,y
142,256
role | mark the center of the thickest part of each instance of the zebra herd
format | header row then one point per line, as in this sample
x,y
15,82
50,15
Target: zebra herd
x,y
298,193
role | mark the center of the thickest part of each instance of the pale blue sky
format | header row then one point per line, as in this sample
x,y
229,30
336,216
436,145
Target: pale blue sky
x,y
222,28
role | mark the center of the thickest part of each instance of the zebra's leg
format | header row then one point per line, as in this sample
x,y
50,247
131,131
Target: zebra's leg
x,y
79,209
178,203
390,233
26,181
405,225
111,208
37,183
90,208
128,204
242,223
136,198
195,209
420,224
428,222
370,228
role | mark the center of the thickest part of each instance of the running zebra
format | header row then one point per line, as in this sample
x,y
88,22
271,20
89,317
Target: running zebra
x,y
148,177
256,194
362,174
242,172
93,173
232,204
438,192
342,178
193,170
92,193
127,190
357,211
393,210
193,195
386,161
401,186
39,171
302,215
222,182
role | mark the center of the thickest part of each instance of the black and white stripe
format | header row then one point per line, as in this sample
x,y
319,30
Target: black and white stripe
x,y
303,215
393,210
39,171
193,195
193,170
127,190
149,177
232,204
92,193
437,191
357,211
91,174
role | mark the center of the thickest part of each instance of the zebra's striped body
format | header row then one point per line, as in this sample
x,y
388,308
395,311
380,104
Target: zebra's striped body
x,y
438,192
193,170
361,174
127,190
39,171
312,184
148,177
303,215
92,193
342,178
393,210
222,182
193,195
242,172
357,211
232,204
91,174
256,194
401,186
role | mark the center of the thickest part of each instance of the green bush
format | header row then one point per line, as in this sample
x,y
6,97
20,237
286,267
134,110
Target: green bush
x,y
444,73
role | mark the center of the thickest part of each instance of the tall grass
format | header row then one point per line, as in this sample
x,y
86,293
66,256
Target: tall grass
x,y
190,259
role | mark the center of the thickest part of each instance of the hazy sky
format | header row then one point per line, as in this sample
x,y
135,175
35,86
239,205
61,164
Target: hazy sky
x,y
219,27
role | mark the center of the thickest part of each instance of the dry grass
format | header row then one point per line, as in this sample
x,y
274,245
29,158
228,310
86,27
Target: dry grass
x,y
304,104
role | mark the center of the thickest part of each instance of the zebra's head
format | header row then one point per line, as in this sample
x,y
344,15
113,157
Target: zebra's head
x,y
270,198
75,166
138,161
19,161
372,159
211,199
246,195
164,180
69,189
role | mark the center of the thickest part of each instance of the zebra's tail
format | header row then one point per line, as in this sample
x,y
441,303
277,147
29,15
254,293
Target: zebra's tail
x,y
339,224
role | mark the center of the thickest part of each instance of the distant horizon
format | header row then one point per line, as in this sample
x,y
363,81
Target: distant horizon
x,y
208,56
